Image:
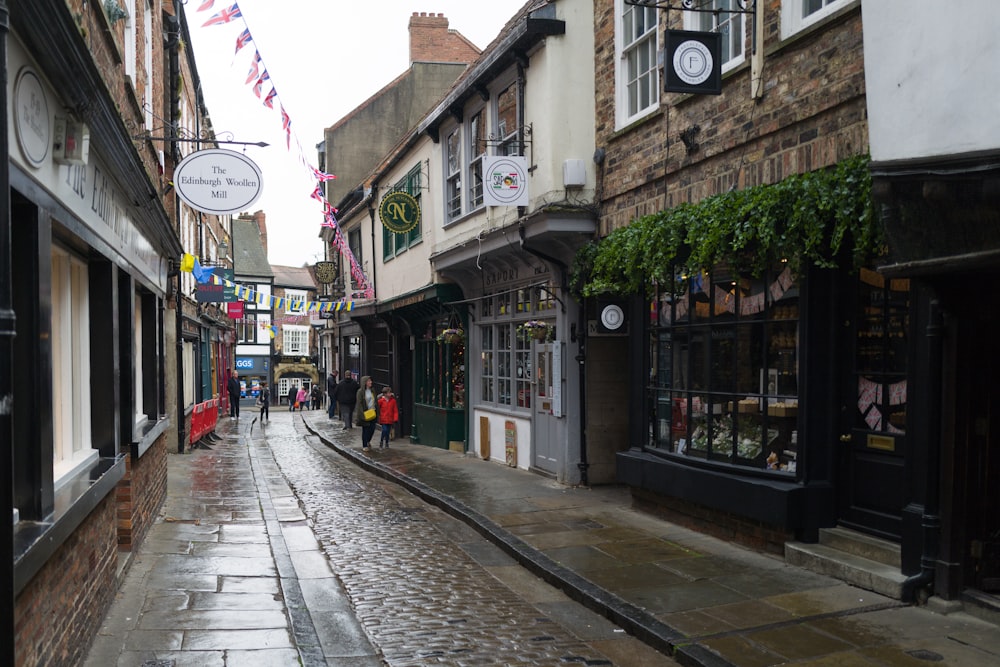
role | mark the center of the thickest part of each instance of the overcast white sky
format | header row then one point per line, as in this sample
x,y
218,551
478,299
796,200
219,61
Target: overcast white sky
x,y
324,58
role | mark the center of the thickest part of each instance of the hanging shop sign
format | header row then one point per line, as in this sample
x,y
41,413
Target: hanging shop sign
x,y
220,291
693,62
505,180
326,272
399,211
218,181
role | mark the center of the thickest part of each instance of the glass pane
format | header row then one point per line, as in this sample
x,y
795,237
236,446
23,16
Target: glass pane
x,y
723,359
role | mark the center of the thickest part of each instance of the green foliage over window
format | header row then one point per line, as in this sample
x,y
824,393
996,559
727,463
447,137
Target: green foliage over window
x,y
807,218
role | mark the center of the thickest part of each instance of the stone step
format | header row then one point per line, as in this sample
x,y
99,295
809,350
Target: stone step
x,y
860,544
856,570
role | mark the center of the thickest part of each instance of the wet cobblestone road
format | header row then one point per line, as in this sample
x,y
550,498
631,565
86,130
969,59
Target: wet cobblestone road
x,y
427,588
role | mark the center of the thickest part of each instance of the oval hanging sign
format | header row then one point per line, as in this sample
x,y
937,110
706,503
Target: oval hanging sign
x,y
399,211
218,181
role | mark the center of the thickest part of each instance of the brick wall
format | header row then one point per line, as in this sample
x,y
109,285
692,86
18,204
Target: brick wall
x,y
140,494
431,41
812,115
58,613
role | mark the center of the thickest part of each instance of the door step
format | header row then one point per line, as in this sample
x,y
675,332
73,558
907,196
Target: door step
x,y
858,559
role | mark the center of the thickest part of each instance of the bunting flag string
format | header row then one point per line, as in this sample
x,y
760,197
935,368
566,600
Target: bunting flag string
x,y
248,295
258,76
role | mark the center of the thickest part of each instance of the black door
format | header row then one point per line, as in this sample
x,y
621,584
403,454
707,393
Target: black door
x,y
977,450
872,438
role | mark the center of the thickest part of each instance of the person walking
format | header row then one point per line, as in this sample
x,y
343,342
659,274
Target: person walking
x,y
293,393
331,393
388,414
317,396
302,398
264,401
347,397
365,413
234,389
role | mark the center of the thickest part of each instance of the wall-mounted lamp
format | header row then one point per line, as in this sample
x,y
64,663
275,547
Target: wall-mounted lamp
x,y
114,11
223,249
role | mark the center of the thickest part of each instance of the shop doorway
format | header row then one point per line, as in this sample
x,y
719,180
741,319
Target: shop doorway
x,y
872,442
976,506
546,407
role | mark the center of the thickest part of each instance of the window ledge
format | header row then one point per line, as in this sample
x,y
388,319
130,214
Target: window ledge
x,y
148,433
36,541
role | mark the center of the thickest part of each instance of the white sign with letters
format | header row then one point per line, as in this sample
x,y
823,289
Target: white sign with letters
x,y
218,181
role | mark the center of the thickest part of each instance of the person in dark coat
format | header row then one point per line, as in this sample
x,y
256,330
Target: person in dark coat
x,y
331,393
347,397
234,390
293,393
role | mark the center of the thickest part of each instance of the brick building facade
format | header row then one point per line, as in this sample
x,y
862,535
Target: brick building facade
x,y
684,149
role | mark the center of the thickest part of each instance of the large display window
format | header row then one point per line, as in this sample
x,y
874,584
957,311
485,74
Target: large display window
x,y
724,379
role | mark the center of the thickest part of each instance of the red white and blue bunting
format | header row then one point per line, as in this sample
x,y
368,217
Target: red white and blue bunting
x,y
259,79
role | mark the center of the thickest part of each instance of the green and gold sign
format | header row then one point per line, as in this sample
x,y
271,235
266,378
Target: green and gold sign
x,y
399,211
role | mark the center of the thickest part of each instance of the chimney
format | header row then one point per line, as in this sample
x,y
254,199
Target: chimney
x,y
261,219
429,38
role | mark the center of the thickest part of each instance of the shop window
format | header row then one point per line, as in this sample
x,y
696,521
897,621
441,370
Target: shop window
x,y
505,344
880,357
637,77
71,408
724,379
440,366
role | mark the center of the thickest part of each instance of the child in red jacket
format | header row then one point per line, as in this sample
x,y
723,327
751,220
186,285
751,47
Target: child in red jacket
x,y
388,414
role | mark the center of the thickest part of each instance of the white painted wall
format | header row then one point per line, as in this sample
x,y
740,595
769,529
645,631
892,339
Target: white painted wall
x,y
932,76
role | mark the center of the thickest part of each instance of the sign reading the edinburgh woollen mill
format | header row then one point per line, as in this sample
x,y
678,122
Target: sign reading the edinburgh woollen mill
x,y
218,181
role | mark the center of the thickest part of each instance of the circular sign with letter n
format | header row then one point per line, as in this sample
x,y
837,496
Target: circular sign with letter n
x,y
399,211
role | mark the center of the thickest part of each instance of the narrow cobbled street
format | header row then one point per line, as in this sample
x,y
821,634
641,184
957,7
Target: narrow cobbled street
x,y
428,589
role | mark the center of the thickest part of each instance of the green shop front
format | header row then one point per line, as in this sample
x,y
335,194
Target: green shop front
x,y
428,329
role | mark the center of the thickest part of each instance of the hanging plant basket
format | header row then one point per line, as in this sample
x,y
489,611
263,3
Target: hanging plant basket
x,y
536,329
451,336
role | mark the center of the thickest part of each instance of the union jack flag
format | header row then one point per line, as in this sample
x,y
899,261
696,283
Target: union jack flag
x,y
322,177
243,39
260,83
254,68
269,100
318,194
286,121
207,4
225,16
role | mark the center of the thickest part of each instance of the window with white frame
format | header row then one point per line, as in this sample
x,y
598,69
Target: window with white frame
x,y
71,428
296,339
797,15
295,302
505,347
148,51
128,42
637,76
263,329
725,21
139,355
508,122
453,177
477,151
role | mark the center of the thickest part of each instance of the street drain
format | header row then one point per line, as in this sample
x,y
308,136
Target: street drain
x,y
923,654
159,663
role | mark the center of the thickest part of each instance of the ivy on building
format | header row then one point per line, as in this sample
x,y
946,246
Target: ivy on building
x,y
813,218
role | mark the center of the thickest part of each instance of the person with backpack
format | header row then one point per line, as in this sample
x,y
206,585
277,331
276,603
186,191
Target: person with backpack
x,y
264,401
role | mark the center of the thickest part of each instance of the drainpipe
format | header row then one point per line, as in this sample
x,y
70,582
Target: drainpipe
x,y
580,358
930,520
173,44
7,332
